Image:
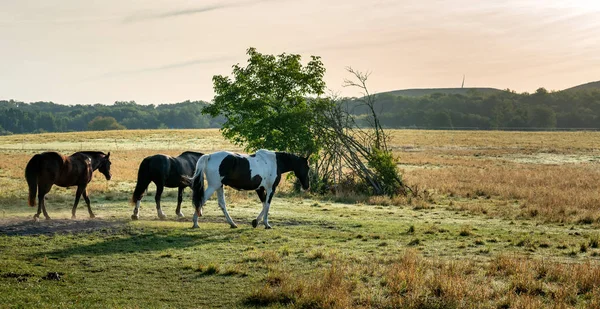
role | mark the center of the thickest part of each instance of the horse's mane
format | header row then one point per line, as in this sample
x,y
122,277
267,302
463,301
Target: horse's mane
x,y
191,152
93,153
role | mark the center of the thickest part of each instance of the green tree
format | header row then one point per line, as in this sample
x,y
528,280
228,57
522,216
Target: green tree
x,y
542,117
101,123
271,103
440,119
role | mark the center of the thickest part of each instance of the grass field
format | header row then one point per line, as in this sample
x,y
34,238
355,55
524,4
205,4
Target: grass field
x,y
504,220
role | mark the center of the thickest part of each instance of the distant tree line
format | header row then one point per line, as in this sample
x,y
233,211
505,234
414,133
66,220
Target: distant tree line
x,y
500,110
19,117
475,110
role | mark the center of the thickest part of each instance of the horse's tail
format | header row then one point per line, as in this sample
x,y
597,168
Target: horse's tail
x,y
198,183
143,180
31,170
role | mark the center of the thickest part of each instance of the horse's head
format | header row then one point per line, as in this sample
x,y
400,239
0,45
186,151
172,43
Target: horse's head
x,y
104,166
301,170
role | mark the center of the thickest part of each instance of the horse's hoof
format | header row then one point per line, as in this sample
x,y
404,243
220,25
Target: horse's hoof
x,y
233,226
73,217
163,217
48,218
254,223
36,219
92,216
180,215
268,227
135,217
195,227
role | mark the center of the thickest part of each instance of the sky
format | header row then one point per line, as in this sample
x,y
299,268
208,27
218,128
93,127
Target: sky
x,y
154,52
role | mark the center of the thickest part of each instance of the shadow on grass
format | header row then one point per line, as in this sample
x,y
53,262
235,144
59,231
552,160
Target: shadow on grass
x,y
26,227
145,240
118,236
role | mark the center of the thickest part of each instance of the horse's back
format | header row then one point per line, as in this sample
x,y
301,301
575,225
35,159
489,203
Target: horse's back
x,y
47,167
44,164
264,156
52,156
50,162
242,171
76,170
167,170
187,162
79,158
230,162
158,166
191,155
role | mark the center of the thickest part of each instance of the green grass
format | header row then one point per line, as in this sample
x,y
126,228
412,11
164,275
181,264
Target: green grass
x,y
153,263
323,252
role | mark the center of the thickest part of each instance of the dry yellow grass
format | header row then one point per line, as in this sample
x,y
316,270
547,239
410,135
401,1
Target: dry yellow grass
x,y
549,175
519,141
411,281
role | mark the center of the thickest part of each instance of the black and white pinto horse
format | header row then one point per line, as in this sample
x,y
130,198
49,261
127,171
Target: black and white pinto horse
x,y
164,171
260,172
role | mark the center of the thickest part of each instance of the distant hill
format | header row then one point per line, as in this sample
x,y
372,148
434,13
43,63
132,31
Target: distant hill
x,y
588,86
427,91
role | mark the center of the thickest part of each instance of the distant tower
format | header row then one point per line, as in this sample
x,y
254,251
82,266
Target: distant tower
x,y
463,83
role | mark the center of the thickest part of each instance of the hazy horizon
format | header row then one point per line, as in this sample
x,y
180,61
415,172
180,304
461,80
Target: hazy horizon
x,y
75,52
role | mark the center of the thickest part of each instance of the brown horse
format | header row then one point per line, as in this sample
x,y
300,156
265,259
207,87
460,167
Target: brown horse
x,y
49,168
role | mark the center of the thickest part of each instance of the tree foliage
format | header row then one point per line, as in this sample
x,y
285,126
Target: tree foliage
x,y
19,117
505,110
272,102
105,123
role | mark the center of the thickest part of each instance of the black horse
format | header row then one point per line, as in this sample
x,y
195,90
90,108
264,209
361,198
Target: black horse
x,y
164,171
51,168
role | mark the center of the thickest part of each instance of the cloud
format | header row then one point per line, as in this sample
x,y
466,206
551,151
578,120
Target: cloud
x,y
189,11
162,67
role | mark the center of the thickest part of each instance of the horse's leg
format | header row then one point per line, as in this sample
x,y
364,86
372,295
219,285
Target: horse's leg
x,y
179,200
40,201
159,191
77,197
207,193
136,210
263,198
42,191
87,201
221,200
142,186
270,193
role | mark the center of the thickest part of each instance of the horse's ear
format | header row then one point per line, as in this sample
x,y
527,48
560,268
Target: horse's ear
x,y
107,156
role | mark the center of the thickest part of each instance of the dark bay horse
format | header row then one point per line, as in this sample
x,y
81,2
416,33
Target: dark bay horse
x,y
51,168
164,171
260,172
